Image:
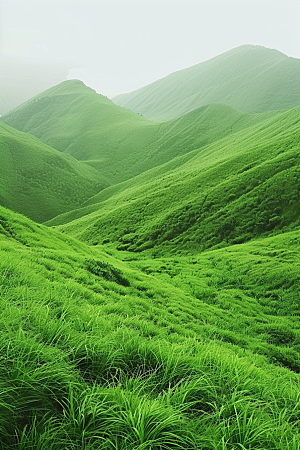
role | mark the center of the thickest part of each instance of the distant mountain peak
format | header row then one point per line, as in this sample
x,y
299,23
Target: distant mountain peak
x,y
251,78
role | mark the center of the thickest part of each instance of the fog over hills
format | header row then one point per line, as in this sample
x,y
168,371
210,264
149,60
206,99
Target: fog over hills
x,y
22,78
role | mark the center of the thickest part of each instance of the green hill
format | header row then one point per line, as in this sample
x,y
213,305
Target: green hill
x,y
159,310
240,187
74,119
248,78
99,353
39,181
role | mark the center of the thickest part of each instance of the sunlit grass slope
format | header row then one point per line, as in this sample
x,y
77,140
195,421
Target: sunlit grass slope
x,y
39,181
74,119
249,78
240,187
188,353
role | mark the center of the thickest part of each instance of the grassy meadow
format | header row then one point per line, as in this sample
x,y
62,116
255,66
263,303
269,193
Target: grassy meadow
x,y
149,271
102,351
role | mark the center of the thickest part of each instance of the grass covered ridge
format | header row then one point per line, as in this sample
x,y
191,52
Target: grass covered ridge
x,y
189,353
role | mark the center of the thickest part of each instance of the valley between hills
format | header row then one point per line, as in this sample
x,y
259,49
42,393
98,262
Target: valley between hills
x,y
150,262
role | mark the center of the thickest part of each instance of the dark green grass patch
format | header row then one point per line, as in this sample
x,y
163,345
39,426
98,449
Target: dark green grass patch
x,y
107,271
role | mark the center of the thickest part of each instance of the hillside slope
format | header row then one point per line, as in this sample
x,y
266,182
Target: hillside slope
x,y
39,181
248,78
74,119
101,353
239,187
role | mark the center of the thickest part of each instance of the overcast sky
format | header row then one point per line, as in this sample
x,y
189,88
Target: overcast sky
x,y
122,45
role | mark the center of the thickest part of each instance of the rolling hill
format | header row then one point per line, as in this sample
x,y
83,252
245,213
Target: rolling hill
x,y
248,78
242,186
39,181
74,119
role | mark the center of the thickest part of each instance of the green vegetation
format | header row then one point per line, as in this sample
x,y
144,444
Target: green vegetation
x,y
159,308
195,352
39,181
73,119
105,270
249,78
243,186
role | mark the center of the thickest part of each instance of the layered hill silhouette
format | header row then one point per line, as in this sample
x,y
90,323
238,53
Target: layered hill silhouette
x,y
238,188
248,78
39,181
76,120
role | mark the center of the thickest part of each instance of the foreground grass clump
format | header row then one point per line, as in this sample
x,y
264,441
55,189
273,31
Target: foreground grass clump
x,y
105,270
181,356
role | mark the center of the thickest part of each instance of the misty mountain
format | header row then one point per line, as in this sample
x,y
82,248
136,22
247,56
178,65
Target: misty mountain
x,y
249,78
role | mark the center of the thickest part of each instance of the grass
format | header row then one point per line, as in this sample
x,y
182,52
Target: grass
x,y
190,353
248,78
173,321
41,182
73,119
238,188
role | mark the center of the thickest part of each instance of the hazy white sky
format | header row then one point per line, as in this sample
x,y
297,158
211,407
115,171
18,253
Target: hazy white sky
x,y
125,44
